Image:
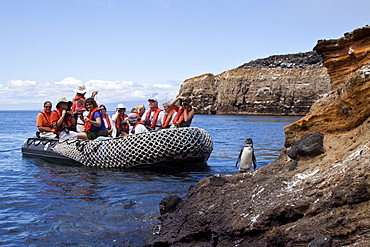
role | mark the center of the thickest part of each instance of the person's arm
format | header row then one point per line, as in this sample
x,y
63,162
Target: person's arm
x,y
96,123
93,94
173,103
60,120
188,115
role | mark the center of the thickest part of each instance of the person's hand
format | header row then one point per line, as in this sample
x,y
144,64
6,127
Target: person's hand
x,y
64,112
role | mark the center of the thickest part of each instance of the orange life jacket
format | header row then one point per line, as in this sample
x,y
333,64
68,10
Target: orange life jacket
x,y
167,118
90,117
179,118
108,121
66,121
119,121
48,119
133,127
155,117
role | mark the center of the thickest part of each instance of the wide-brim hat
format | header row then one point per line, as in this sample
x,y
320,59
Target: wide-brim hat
x,y
80,89
62,100
132,118
153,100
120,106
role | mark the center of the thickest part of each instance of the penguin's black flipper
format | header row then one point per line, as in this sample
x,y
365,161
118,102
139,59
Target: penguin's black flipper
x,y
238,160
254,161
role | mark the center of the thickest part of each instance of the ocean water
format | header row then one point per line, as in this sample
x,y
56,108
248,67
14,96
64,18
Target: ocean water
x,y
46,203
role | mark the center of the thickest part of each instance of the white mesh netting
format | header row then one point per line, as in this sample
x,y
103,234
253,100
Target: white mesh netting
x,y
168,145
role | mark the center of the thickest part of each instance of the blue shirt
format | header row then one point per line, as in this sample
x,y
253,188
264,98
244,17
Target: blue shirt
x,y
96,115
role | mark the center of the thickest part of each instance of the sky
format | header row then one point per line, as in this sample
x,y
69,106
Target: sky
x,y
131,50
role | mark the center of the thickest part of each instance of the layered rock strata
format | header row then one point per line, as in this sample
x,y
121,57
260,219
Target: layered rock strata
x,y
317,190
277,85
347,105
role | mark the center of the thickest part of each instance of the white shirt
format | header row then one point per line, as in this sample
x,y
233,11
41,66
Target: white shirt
x,y
140,128
159,122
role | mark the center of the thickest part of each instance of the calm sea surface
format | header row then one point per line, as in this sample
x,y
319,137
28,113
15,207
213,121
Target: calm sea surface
x,y
54,204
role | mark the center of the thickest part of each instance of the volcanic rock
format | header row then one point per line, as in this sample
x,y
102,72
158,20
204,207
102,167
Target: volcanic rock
x,y
277,85
321,200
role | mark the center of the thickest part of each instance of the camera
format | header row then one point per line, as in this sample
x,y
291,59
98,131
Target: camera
x,y
185,102
80,113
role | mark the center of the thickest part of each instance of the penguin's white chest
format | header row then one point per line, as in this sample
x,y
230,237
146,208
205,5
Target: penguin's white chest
x,y
246,159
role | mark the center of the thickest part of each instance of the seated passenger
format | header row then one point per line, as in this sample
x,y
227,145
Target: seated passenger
x,y
43,122
136,126
106,118
94,123
185,112
169,115
153,118
121,123
63,120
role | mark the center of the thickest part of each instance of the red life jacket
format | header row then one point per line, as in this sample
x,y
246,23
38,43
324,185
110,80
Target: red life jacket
x,y
90,117
108,121
119,121
179,118
167,118
155,117
133,127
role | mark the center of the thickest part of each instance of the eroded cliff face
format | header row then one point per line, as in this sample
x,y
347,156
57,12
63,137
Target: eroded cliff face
x,y
347,105
278,85
313,189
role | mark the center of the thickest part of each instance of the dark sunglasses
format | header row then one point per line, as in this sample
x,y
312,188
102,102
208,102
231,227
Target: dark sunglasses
x,y
89,104
47,106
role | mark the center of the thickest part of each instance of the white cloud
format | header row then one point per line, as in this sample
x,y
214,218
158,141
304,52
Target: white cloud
x,y
15,93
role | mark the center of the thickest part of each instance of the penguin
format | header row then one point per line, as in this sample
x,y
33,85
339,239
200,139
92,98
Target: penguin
x,y
246,157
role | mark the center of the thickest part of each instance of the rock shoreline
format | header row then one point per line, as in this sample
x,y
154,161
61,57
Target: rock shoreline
x,y
316,193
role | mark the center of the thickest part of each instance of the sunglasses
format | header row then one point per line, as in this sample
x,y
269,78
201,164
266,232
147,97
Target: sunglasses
x,y
89,104
47,106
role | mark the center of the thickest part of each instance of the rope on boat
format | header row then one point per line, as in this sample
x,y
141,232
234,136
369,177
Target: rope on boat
x,y
140,149
37,141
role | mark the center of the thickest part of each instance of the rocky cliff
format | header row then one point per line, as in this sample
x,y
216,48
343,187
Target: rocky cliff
x,y
277,85
316,193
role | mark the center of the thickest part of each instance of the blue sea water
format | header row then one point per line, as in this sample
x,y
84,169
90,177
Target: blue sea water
x,y
46,203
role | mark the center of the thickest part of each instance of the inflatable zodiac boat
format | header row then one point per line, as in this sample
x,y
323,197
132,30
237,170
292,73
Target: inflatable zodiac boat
x,y
189,144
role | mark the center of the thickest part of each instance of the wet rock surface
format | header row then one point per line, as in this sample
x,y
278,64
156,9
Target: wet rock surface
x,y
313,200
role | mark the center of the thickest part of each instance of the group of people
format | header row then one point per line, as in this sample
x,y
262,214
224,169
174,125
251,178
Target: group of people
x,y
82,118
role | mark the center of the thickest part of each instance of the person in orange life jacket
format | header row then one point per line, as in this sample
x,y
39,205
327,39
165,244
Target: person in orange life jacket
x,y
94,123
78,106
119,119
43,122
153,118
106,118
185,112
169,115
136,126
63,120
